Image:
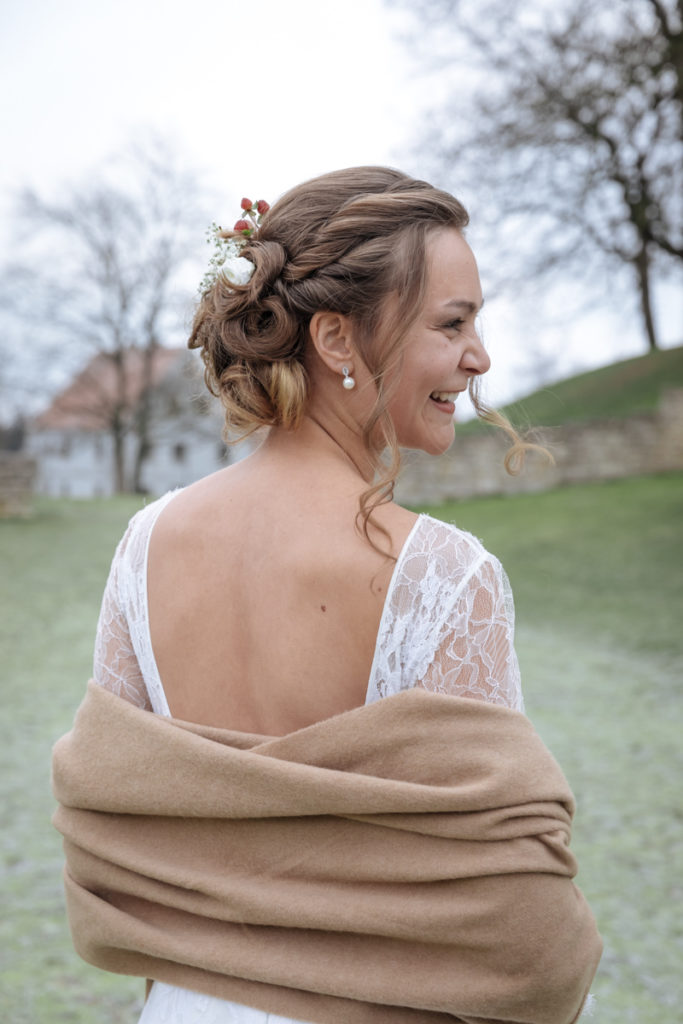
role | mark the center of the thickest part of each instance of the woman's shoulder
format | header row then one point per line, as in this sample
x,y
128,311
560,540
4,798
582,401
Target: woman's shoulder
x,y
133,543
441,562
438,563
445,544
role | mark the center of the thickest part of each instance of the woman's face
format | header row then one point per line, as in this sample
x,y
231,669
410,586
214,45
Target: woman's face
x,y
442,349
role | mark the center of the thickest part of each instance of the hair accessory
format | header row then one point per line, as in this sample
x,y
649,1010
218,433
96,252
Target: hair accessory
x,y
348,382
254,211
226,258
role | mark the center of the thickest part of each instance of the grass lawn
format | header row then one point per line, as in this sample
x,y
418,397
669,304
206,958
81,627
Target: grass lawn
x,y
597,577
54,567
597,573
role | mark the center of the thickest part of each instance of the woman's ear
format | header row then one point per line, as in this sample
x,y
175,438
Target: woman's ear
x,y
332,338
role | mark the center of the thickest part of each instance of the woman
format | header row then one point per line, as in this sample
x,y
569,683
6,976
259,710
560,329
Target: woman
x,y
289,588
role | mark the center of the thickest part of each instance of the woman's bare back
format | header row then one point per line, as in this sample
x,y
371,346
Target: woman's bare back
x,y
264,599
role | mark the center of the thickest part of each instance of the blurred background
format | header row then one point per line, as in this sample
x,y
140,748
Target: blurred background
x,y
129,127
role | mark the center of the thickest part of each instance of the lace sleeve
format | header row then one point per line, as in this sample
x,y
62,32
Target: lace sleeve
x,y
116,666
448,621
476,656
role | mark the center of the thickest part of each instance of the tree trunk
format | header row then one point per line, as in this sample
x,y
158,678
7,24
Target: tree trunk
x,y
642,266
118,417
119,458
143,417
142,450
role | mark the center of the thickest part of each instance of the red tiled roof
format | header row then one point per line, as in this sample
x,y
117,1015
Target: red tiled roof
x,y
87,403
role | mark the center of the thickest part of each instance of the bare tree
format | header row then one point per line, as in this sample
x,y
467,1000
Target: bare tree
x,y
102,281
571,128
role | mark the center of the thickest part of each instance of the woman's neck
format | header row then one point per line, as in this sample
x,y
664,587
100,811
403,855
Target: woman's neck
x,y
321,439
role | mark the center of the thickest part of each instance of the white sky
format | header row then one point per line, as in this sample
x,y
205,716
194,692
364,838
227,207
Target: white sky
x,y
259,95
262,94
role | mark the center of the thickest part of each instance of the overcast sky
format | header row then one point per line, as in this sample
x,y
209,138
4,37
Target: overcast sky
x,y
260,96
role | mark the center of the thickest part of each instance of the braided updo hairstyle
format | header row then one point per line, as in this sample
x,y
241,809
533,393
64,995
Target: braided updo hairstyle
x,y
343,243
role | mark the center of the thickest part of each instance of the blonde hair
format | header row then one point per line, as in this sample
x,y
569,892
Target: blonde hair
x,y
343,242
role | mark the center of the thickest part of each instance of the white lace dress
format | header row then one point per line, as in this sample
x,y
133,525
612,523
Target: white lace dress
x,y
447,626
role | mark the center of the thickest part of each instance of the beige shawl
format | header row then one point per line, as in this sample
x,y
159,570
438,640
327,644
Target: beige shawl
x,y
402,863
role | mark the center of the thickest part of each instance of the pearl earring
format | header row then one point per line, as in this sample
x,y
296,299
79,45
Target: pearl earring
x,y
348,381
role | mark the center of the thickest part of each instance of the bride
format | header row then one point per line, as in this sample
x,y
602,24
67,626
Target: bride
x,y
290,588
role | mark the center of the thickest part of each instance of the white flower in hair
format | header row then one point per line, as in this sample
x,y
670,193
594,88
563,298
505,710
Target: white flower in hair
x,y
237,269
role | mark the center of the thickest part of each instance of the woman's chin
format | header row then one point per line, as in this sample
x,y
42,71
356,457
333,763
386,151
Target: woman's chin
x,y
436,441
441,442
432,445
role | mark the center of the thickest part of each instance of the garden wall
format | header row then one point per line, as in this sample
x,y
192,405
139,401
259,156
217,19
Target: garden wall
x,y
17,474
583,452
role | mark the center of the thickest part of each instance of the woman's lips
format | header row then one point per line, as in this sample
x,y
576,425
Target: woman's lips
x,y
444,400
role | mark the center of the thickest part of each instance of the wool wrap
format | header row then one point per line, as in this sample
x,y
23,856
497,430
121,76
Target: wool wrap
x,y
406,862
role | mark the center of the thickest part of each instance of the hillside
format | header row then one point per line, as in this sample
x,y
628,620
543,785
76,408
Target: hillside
x,y
621,389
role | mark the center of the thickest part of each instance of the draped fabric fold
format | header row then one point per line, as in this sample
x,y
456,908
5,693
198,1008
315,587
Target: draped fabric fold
x,y
406,862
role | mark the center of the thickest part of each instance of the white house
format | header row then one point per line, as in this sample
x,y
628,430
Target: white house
x,y
74,447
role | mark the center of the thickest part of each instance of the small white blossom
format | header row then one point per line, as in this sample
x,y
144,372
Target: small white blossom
x,y
230,246
237,269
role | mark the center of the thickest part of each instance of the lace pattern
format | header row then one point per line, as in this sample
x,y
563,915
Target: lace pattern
x,y
448,621
124,660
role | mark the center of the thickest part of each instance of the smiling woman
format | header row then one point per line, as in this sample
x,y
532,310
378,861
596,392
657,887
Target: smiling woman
x,y
442,350
330,662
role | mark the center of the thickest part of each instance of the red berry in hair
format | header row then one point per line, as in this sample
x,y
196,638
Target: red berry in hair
x,y
241,225
262,206
246,204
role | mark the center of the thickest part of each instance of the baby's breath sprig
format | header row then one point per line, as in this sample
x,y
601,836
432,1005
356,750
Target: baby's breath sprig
x,y
224,249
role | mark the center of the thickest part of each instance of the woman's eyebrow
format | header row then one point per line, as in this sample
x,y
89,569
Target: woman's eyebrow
x,y
463,304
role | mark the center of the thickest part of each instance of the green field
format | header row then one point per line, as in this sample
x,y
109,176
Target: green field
x,y
597,577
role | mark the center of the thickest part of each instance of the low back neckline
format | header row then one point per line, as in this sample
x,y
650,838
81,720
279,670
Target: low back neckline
x,y
157,692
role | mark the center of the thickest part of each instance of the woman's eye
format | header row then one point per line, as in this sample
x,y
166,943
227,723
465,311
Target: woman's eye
x,y
454,325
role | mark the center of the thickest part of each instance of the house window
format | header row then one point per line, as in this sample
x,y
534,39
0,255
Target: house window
x,y
179,452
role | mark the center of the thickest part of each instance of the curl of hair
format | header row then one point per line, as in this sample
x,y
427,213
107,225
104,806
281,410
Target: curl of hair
x,y
520,446
343,242
252,346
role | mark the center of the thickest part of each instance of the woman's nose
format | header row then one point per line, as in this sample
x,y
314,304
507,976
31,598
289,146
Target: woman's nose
x,y
475,359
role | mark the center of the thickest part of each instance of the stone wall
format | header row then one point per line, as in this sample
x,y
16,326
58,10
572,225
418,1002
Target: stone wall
x,y
583,452
17,475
